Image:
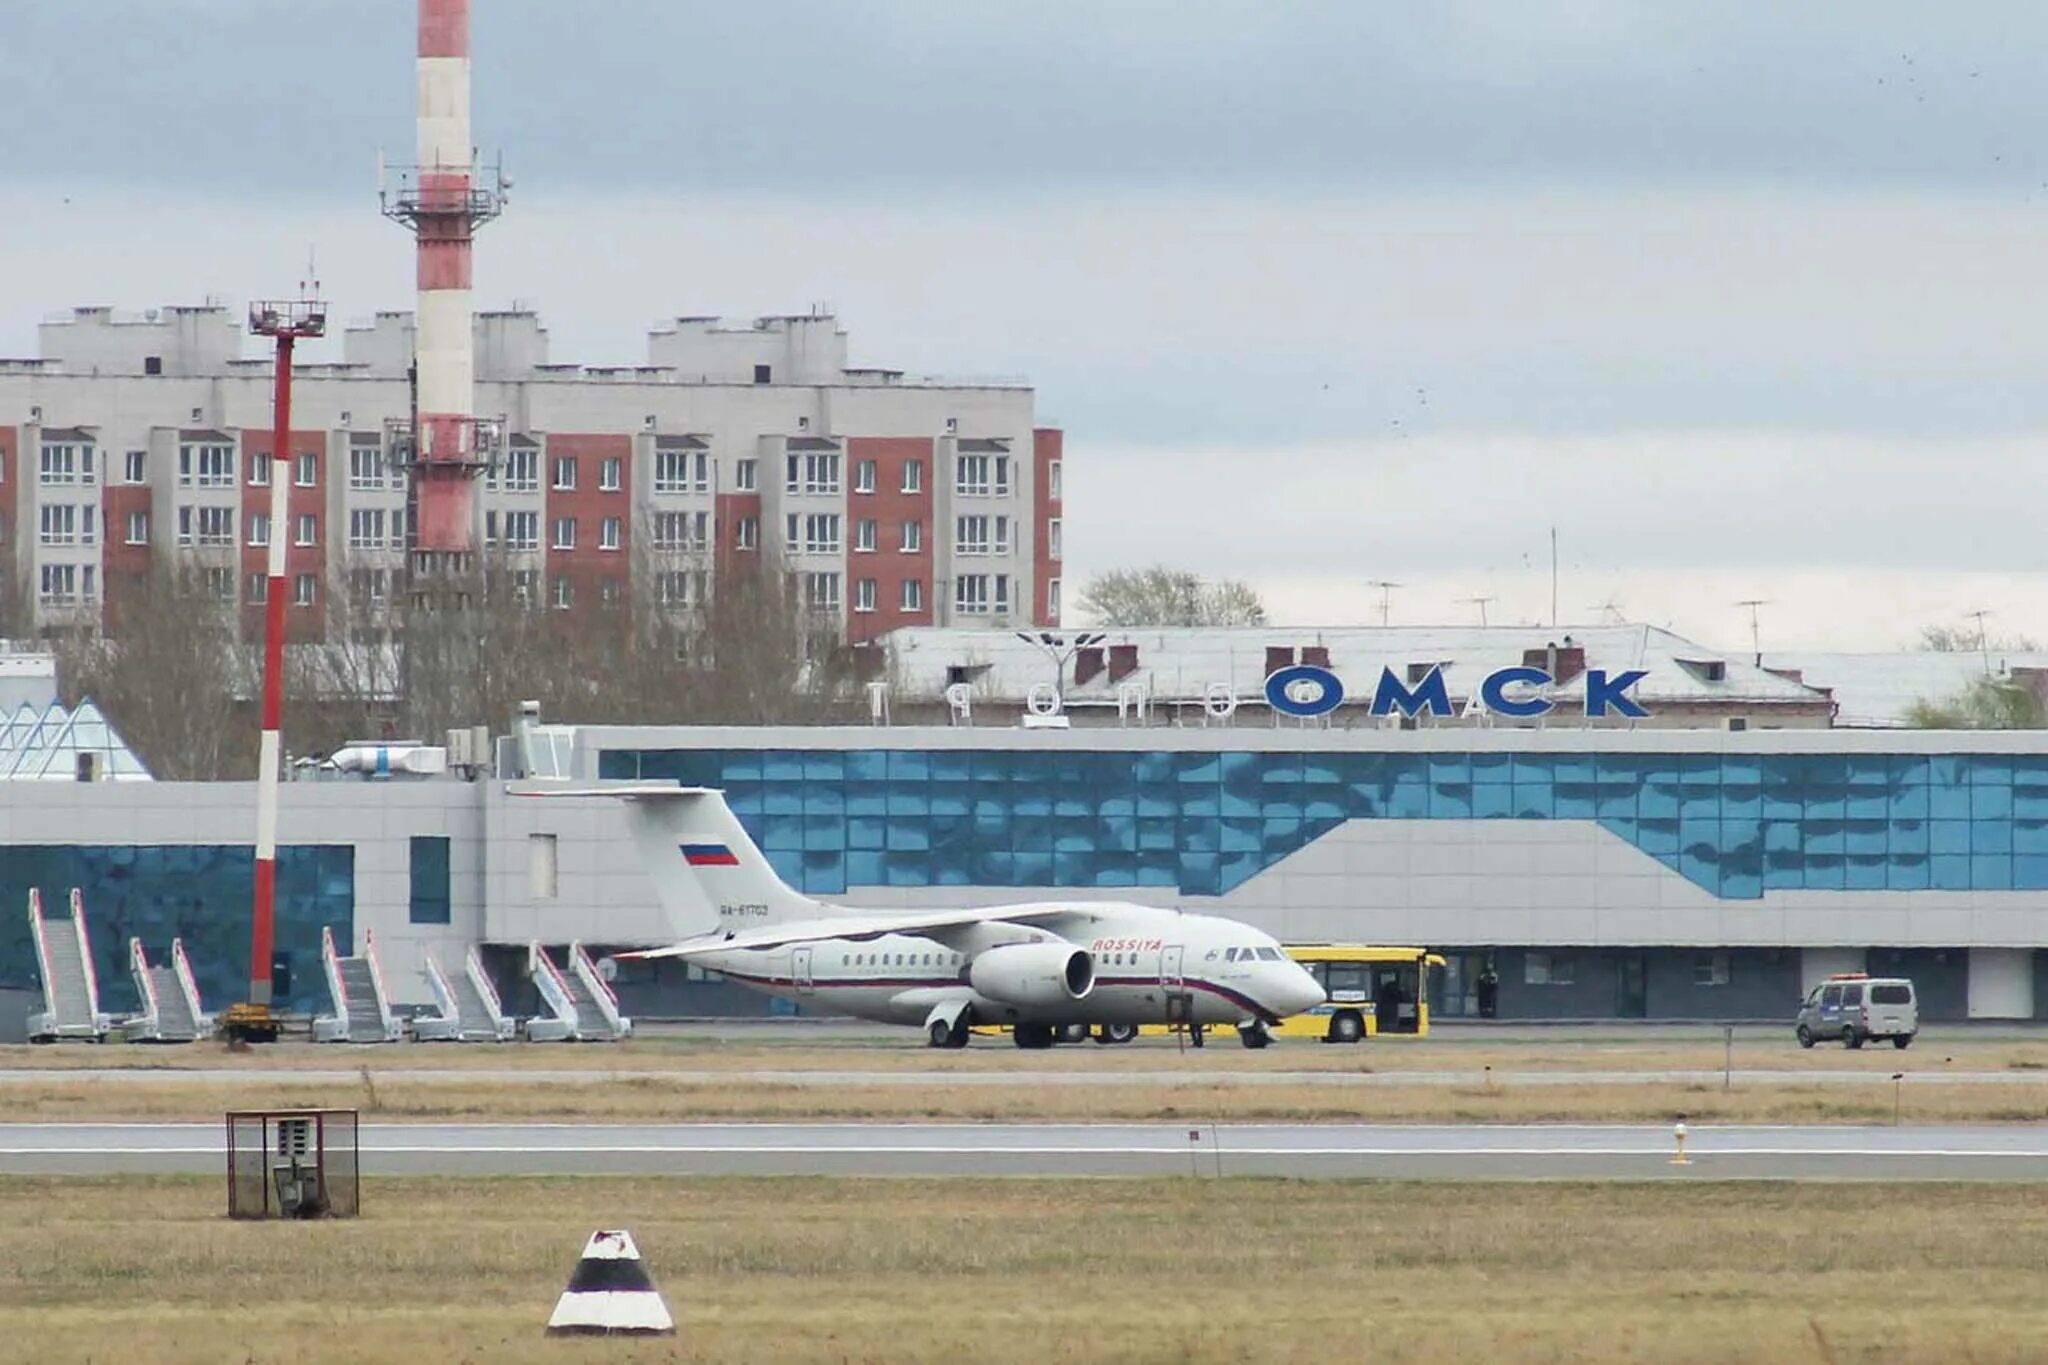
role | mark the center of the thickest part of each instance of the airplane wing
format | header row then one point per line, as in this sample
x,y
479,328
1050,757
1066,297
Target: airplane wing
x,y
861,927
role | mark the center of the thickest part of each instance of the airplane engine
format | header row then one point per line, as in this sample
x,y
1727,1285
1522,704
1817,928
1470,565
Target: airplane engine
x,y
1033,973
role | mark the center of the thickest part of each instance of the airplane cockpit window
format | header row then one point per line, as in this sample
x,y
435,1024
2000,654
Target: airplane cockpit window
x,y
1269,954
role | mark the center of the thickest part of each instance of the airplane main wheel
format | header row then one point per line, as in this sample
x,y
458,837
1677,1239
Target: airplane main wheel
x,y
1032,1035
953,1035
1117,1033
1073,1033
1254,1036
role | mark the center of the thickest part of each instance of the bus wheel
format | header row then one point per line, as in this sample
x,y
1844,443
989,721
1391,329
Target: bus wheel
x,y
1032,1035
1346,1027
1254,1035
1117,1033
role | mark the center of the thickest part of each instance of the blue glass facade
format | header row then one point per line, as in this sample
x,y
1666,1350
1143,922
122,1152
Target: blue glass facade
x,y
201,893
1203,823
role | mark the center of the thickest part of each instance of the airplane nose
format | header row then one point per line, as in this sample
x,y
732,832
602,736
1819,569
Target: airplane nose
x,y
1302,992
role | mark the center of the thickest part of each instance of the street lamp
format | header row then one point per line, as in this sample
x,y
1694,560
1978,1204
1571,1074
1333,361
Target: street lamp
x,y
1060,648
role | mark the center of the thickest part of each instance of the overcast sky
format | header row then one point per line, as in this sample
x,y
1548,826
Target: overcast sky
x,y
1744,302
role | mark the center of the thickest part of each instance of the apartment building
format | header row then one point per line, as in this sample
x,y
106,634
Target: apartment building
x,y
900,500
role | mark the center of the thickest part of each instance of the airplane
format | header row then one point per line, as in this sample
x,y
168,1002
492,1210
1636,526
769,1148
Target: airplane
x,y
1050,971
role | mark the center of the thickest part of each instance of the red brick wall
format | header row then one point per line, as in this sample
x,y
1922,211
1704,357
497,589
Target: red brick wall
x,y
300,623
587,566
1047,446
727,511
10,501
889,507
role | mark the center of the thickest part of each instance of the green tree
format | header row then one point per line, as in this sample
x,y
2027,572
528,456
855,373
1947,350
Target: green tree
x,y
1986,704
1163,596
1961,640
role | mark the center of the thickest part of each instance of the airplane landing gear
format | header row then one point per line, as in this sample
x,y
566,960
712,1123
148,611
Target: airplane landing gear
x,y
1253,1035
943,1034
1117,1033
1197,1033
1032,1035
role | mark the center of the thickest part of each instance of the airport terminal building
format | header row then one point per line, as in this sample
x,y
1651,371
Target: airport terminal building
x,y
1606,873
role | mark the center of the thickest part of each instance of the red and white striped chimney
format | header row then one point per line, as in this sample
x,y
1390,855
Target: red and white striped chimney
x,y
444,221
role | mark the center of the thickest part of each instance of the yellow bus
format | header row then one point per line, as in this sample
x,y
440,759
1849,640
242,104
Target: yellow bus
x,y
1368,992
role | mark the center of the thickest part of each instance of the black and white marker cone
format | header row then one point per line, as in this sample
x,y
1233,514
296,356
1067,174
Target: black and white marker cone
x,y
611,1293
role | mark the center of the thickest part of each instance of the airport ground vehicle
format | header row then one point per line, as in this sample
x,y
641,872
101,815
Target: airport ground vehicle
x,y
1856,1007
1368,992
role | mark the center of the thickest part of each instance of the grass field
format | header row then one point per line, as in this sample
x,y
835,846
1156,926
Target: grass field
x,y
1042,1271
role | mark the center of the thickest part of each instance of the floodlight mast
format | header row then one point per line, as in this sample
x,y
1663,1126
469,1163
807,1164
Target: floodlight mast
x,y
253,1019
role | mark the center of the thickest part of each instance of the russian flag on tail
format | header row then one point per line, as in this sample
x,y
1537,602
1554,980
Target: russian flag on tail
x,y
611,1293
709,855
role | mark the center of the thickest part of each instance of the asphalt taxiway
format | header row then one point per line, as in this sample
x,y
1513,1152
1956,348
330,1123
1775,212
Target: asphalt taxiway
x,y
1576,1152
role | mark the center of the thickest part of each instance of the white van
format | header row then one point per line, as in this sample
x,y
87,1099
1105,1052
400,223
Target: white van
x,y
1855,1007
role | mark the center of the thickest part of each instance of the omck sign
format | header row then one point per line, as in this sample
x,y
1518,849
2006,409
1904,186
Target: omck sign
x,y
1308,690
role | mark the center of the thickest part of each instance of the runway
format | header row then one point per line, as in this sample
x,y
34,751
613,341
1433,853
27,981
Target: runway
x,y
1297,1150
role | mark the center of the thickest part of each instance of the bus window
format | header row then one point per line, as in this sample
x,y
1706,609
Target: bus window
x,y
1346,976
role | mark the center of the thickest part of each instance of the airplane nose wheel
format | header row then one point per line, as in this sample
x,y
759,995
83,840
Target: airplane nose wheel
x,y
1254,1035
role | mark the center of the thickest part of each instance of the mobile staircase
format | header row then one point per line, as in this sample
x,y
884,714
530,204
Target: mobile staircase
x,y
468,1009
580,1005
169,996
362,1012
71,991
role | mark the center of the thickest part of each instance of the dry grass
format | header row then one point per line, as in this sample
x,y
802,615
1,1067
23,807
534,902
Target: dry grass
x,y
904,1050
394,1096
1042,1271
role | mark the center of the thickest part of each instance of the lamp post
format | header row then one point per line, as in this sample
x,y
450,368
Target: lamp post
x,y
1060,648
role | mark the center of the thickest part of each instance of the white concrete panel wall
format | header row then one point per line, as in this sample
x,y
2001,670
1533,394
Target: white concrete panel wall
x,y
1818,964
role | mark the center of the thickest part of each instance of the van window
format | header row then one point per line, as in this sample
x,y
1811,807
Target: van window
x,y
1831,997
1891,993
1852,996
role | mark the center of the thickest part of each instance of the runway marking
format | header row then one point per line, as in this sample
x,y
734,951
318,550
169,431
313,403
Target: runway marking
x,y
1178,1149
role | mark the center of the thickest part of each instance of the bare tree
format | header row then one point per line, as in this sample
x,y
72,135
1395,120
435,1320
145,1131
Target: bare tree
x,y
166,667
1163,596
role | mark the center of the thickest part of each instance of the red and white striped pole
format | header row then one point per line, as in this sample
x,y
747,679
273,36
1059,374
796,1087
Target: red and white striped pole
x,y
444,223
287,322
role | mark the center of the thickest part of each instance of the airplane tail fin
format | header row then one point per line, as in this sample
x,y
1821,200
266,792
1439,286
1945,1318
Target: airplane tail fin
x,y
708,874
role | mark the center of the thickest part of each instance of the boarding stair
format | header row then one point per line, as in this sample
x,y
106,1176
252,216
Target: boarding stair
x,y
355,985
580,1005
71,993
467,1006
169,996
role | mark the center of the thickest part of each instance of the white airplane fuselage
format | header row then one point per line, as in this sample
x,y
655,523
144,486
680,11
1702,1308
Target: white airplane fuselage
x,y
1148,966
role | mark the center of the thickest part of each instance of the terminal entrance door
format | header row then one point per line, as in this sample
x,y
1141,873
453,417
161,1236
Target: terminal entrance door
x,y
1631,987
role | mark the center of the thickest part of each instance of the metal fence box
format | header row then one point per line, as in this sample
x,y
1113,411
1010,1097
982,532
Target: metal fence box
x,y
293,1163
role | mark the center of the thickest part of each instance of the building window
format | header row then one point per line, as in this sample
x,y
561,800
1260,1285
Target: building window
x,y
523,581
671,471
368,586
864,535
1002,604
59,586
564,592
1053,539
815,534
1052,480
429,873
258,590
680,530
259,529
744,475
366,528
747,533
1547,969
821,592
812,474
1052,600
522,530
763,374
864,476
970,535
971,475
184,526
136,466
138,528
220,583
216,526
304,589
609,475
608,534
306,471
673,588
565,474
565,536
913,476
703,467
66,464
911,538
308,530
970,594
522,470
60,524
1710,969
864,595
259,470
913,594
365,468
608,591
